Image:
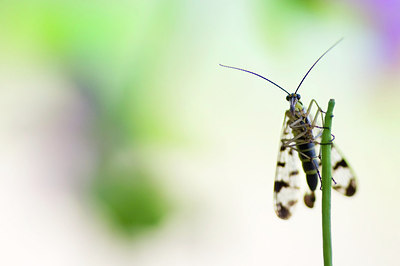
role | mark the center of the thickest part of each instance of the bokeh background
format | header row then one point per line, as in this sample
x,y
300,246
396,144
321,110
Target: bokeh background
x,y
124,143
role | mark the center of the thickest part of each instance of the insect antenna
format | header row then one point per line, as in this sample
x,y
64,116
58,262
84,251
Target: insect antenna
x,y
256,75
317,62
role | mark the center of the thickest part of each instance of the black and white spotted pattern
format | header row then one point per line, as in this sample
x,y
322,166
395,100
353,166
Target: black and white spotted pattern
x,y
287,178
343,175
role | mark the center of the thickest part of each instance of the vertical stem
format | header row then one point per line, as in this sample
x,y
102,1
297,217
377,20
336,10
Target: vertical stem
x,y
326,185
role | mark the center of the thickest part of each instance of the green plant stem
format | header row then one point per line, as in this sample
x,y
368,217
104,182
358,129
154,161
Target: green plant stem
x,y
326,185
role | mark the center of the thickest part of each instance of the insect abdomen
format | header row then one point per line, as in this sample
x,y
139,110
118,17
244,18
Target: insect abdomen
x,y
310,163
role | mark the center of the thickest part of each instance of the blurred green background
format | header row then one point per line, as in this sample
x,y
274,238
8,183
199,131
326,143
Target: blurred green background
x,y
124,143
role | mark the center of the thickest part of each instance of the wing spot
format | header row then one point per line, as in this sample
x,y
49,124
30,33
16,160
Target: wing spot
x,y
282,211
292,203
279,185
295,172
281,164
341,163
351,188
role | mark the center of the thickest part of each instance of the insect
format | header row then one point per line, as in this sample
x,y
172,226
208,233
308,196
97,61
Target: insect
x,y
301,134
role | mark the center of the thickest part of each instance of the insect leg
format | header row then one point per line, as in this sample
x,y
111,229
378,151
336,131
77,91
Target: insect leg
x,y
313,101
293,147
319,112
310,166
287,142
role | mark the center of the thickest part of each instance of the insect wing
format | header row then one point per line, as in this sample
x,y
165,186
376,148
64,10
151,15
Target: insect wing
x,y
343,175
344,180
287,179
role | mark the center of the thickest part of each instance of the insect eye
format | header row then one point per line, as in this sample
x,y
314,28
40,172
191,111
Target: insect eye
x,y
287,98
298,96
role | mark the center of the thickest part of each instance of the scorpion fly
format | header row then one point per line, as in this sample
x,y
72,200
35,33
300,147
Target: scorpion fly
x,y
301,134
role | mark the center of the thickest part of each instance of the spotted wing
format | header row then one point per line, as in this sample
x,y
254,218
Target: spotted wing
x,y
343,175
287,179
344,180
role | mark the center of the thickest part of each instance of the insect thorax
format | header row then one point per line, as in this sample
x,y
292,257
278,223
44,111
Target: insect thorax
x,y
300,123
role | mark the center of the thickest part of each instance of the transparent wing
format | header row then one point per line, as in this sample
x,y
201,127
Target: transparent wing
x,y
287,179
343,175
344,180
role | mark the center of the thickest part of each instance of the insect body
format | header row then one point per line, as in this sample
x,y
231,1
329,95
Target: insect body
x,y
298,135
301,133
